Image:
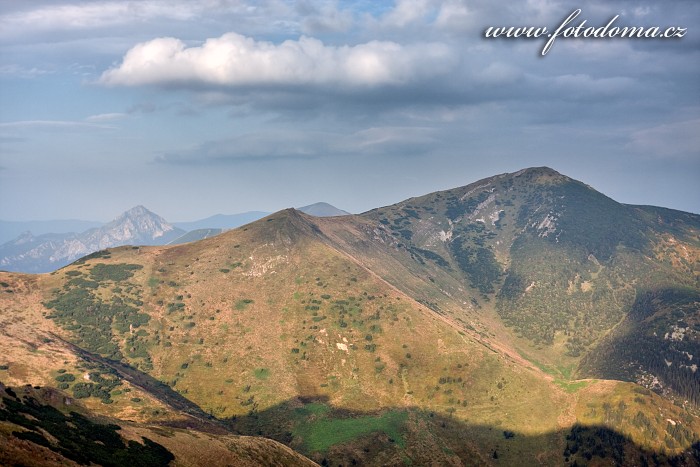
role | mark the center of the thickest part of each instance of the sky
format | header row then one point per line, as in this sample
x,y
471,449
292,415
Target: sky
x,y
193,108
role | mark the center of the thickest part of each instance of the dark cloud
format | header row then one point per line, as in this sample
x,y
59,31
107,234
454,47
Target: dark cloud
x,y
309,145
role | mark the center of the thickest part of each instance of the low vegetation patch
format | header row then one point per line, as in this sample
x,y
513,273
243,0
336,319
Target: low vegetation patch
x,y
562,377
113,272
321,434
96,319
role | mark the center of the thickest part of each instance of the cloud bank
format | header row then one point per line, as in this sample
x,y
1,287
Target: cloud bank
x,y
236,60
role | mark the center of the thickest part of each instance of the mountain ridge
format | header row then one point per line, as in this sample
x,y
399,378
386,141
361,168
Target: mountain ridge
x,y
481,312
11,229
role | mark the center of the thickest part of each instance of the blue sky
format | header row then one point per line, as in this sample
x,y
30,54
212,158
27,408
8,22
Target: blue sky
x,y
193,108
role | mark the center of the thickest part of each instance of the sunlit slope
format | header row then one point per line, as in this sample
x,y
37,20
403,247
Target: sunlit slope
x,y
270,312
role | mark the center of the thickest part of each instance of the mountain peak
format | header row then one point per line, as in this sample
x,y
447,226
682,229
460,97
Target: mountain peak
x,y
139,224
322,210
138,211
544,170
539,174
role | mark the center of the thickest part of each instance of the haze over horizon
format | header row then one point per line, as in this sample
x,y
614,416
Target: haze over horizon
x,y
198,108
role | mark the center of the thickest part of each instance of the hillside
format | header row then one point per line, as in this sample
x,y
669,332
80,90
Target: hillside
x,y
448,329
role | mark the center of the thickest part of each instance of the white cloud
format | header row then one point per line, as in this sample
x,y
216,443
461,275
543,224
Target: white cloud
x,y
454,15
236,60
107,117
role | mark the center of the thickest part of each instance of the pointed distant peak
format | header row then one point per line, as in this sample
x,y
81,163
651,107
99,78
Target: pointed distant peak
x,y
145,219
323,210
139,210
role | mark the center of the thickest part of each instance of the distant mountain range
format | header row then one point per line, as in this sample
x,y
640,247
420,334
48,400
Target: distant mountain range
x,y
222,221
12,229
47,252
44,246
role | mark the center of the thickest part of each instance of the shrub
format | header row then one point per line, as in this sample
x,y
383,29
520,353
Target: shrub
x,y
113,272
